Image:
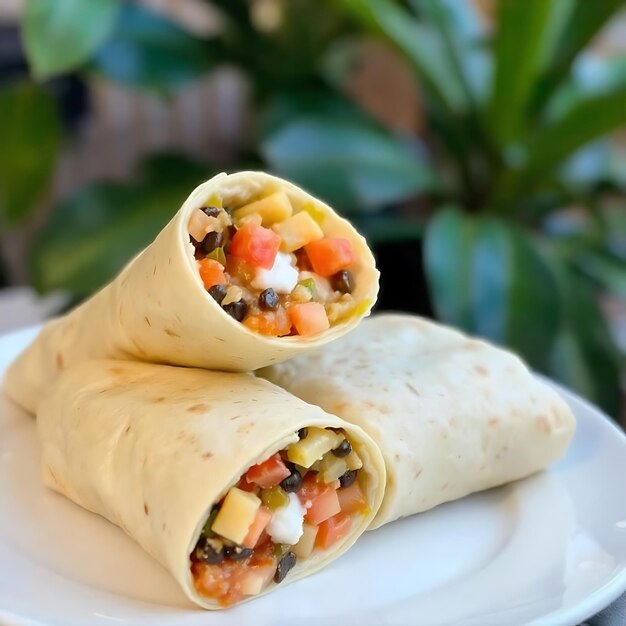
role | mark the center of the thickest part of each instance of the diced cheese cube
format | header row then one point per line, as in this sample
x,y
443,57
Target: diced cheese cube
x,y
236,515
273,208
297,231
353,461
332,468
304,547
313,447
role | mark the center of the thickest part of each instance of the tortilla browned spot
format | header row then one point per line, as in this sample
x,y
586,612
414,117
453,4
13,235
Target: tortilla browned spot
x,y
543,424
171,333
145,508
197,408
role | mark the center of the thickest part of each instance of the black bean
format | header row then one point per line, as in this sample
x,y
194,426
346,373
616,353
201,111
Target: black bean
x,y
342,281
286,563
211,211
232,231
347,479
293,482
209,550
303,432
238,309
213,240
268,300
237,553
343,449
218,292
198,253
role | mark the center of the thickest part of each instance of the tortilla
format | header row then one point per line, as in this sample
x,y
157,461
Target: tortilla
x,y
452,415
152,448
157,309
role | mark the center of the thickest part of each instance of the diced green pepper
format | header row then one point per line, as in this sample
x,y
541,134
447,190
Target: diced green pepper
x,y
218,255
206,529
309,284
274,498
280,549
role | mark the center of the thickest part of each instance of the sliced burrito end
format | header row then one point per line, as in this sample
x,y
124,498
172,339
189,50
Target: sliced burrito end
x,y
281,514
231,483
279,261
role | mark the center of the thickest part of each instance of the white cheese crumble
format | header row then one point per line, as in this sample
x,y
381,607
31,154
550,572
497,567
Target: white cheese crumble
x,y
286,523
282,278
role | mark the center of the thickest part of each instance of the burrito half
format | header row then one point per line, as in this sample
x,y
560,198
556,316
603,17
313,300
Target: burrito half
x,y
231,483
252,270
452,415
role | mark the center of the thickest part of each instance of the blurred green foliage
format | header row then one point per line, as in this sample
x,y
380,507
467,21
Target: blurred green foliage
x,y
512,193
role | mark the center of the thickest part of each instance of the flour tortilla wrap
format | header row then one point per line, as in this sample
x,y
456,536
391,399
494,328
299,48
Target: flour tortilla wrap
x,y
157,309
452,415
152,448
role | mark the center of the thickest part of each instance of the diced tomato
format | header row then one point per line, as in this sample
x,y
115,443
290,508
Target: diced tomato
x,y
223,582
332,530
211,272
319,499
275,323
352,499
256,245
330,255
309,318
246,486
269,473
262,540
262,519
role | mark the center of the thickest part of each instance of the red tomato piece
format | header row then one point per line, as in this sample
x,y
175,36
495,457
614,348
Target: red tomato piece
x,y
211,272
269,473
330,255
256,245
309,318
332,530
319,499
274,323
262,519
352,499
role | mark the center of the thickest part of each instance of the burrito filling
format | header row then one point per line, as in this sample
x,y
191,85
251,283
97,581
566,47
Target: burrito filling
x,y
273,268
300,501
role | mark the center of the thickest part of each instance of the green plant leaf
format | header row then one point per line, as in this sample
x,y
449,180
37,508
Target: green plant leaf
x,y
548,148
90,236
578,24
418,43
461,32
352,165
607,270
61,35
584,356
147,50
520,30
489,279
30,136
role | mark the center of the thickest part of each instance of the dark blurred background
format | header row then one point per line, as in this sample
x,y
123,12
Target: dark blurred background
x,y
479,145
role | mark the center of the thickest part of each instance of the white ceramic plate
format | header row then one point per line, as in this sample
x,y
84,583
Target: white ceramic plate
x,y
550,550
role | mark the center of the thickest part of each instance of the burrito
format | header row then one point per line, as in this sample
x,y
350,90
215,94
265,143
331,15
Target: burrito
x,y
250,271
452,415
233,484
